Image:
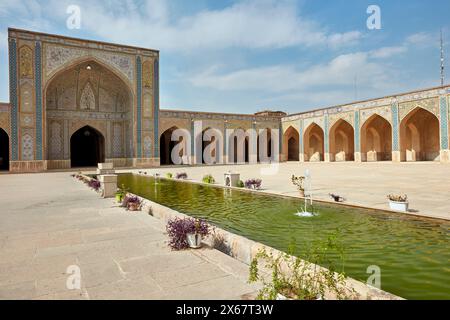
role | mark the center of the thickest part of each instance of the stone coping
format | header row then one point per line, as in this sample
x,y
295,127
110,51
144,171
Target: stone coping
x,y
244,250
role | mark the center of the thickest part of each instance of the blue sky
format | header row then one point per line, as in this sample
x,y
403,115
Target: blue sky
x,y
245,56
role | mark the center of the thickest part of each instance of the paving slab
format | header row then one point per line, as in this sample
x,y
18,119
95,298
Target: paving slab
x,y
120,255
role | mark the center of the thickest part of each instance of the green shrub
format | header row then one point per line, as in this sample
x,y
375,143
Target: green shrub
x,y
169,175
302,278
241,184
208,179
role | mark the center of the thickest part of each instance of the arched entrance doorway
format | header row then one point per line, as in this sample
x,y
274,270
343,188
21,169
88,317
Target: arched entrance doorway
x,y
87,148
419,136
166,146
89,89
291,140
313,143
4,150
342,142
376,139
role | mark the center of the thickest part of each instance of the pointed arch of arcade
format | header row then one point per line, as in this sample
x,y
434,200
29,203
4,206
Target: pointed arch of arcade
x,y
419,136
235,145
376,139
342,141
291,141
313,143
87,147
4,150
166,145
212,141
265,149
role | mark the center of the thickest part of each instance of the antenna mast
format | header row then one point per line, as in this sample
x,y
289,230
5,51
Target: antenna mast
x,y
442,60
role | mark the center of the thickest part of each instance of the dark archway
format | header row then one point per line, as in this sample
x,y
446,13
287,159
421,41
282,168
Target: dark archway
x,y
87,148
291,140
166,146
4,150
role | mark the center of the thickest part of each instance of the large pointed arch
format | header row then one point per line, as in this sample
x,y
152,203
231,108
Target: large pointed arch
x,y
313,143
376,139
291,141
87,147
342,141
419,136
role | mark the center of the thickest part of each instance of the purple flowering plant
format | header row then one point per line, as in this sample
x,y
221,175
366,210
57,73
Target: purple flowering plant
x,y
178,228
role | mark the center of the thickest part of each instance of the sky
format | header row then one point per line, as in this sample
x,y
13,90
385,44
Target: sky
x,y
252,55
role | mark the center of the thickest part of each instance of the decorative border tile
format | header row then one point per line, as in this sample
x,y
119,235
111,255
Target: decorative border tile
x,y
300,140
38,79
13,98
443,122
139,107
326,138
356,131
156,107
395,126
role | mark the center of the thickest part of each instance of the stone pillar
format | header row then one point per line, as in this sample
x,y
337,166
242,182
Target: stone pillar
x,y
443,127
253,148
327,155
231,179
105,168
301,156
356,131
396,155
109,185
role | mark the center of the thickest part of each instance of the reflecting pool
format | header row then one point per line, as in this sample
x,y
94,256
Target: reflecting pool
x,y
413,253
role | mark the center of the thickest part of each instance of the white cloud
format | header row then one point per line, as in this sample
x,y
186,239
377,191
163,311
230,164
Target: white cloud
x,y
3,40
421,38
340,71
255,24
387,52
339,39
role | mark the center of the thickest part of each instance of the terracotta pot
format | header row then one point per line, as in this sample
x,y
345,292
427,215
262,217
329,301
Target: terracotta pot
x,y
133,206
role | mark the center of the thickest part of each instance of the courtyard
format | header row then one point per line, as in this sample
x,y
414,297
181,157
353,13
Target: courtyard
x,y
49,222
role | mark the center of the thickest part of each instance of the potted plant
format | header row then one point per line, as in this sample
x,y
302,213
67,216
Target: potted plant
x,y
195,235
299,182
181,175
120,194
179,228
254,184
94,184
398,202
208,179
131,203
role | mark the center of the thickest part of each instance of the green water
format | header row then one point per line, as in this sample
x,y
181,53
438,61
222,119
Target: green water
x,y
413,253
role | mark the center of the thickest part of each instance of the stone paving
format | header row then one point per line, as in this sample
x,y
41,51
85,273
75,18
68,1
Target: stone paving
x,y
51,221
427,184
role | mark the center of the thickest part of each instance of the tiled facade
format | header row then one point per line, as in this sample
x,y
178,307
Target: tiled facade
x,y
46,109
